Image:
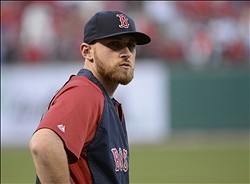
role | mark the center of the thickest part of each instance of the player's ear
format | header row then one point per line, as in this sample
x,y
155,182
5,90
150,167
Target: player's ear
x,y
86,51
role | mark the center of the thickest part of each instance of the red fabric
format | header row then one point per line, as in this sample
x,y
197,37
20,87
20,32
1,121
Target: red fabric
x,y
77,108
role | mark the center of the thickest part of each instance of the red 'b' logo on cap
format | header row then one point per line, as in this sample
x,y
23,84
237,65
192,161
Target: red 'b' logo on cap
x,y
123,21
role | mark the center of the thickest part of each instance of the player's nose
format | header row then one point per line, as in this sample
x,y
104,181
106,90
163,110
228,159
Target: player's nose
x,y
125,53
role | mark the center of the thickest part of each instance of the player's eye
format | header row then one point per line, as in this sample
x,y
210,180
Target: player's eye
x,y
117,45
114,45
131,46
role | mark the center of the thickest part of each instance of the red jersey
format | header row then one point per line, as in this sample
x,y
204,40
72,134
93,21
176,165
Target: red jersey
x,y
74,114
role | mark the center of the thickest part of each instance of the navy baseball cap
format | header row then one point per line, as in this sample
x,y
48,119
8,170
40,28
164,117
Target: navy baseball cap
x,y
105,24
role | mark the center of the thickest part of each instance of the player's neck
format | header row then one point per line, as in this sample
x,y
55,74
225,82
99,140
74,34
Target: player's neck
x,y
108,85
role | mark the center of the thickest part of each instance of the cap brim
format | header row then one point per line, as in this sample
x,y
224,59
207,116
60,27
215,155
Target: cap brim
x,y
141,38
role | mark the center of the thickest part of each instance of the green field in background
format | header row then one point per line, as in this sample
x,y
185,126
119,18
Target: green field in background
x,y
204,161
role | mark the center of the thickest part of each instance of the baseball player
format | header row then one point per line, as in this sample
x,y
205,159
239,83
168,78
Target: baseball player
x,y
82,137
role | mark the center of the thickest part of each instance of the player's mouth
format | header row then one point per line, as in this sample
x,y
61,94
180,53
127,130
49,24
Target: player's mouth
x,y
125,65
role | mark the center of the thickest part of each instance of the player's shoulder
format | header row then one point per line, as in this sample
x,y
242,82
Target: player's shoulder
x,y
83,83
80,88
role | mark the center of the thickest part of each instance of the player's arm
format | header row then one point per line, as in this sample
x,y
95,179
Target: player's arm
x,y
49,157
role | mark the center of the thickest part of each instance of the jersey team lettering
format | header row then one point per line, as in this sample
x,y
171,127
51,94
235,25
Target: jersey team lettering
x,y
120,158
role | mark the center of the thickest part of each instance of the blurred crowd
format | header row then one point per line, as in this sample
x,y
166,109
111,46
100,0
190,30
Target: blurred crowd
x,y
194,32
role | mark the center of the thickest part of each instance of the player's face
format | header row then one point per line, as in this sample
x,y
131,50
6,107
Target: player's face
x,y
115,58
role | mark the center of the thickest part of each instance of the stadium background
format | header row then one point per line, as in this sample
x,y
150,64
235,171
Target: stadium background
x,y
187,108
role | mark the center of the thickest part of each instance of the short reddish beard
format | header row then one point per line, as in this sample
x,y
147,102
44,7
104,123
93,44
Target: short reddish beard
x,y
116,73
